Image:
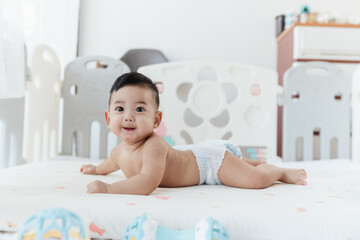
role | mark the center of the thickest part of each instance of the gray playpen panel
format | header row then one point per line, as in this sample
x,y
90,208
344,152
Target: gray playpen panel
x,y
86,92
136,58
316,103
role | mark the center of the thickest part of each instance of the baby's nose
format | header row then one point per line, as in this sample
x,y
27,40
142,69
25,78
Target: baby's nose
x,y
129,119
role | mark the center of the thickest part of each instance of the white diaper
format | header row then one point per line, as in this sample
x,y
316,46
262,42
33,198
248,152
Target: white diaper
x,y
209,157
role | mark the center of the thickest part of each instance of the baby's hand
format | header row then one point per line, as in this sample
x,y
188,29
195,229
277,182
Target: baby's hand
x,y
88,169
97,187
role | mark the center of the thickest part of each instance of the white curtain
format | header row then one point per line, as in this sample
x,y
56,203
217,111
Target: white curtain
x,y
53,23
12,69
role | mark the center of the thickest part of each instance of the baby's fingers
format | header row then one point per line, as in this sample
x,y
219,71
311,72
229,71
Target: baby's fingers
x,y
97,187
87,169
83,168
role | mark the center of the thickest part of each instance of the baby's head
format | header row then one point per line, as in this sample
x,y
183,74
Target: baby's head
x,y
133,107
135,79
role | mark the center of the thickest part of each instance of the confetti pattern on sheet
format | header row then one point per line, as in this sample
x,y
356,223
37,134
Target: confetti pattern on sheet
x,y
335,196
162,198
269,194
301,210
317,202
95,229
12,225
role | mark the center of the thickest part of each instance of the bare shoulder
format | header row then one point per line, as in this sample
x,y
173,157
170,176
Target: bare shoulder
x,y
115,150
115,153
156,144
154,155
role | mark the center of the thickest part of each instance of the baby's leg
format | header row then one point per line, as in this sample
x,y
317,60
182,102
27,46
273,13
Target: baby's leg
x,y
254,162
237,172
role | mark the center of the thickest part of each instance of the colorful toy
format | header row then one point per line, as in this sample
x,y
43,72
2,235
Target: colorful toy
x,y
254,152
54,223
146,227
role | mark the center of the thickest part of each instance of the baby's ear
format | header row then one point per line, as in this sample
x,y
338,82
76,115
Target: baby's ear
x,y
107,117
158,117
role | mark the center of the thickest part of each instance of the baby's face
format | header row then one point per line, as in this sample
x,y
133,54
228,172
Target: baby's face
x,y
132,114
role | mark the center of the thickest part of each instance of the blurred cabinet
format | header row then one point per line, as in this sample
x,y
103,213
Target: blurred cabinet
x,y
302,42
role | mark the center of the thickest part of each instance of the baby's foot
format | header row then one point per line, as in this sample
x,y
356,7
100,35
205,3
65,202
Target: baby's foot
x,y
294,176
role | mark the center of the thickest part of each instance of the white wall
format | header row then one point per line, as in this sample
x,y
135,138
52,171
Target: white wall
x,y
227,30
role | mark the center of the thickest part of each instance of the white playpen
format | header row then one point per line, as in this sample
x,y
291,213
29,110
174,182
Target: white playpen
x,y
200,100
316,113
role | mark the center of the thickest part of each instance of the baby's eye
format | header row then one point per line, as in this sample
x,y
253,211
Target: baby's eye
x,y
140,109
119,109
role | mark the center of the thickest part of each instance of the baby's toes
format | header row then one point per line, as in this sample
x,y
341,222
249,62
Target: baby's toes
x,y
302,172
301,178
301,182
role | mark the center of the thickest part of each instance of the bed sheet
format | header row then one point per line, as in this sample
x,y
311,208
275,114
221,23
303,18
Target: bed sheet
x,y
327,208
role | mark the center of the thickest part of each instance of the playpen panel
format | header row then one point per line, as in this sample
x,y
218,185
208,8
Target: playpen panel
x,y
11,132
218,100
42,106
316,108
87,83
356,115
136,58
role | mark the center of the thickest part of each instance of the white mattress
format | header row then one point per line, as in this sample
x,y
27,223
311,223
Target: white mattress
x,y
327,208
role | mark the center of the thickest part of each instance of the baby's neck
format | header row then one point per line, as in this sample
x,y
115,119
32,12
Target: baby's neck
x,y
134,146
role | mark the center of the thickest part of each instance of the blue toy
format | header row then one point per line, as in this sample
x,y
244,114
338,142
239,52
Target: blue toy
x,y
53,223
146,227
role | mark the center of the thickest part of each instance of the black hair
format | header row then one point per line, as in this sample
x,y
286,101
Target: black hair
x,y
135,79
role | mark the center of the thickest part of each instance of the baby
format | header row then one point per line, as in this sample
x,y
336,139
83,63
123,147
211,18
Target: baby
x,y
149,162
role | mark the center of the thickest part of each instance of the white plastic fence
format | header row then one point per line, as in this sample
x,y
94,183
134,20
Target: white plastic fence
x,y
316,119
86,94
42,106
11,131
356,116
218,100
200,100
31,127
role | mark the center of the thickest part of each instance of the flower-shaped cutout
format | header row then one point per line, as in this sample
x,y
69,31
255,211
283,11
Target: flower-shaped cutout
x,y
255,116
207,99
182,91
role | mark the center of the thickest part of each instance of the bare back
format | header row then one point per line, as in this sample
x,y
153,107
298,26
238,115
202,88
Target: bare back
x,y
180,166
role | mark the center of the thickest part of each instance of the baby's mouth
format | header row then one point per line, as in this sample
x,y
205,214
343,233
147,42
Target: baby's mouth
x,y
128,128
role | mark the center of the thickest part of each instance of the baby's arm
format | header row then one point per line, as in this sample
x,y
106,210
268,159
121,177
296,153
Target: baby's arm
x,y
153,168
104,168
